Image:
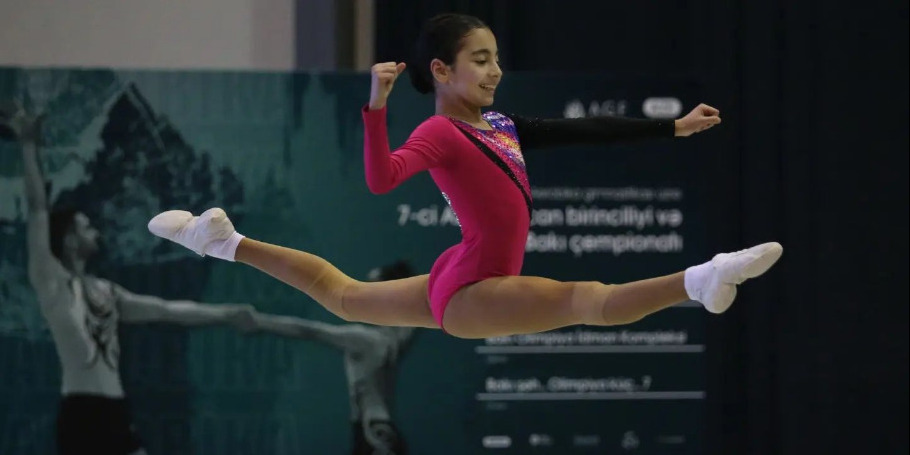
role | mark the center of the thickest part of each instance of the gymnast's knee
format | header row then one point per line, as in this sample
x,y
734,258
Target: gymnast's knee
x,y
591,300
335,292
350,295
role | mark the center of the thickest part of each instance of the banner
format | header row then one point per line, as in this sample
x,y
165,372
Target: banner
x,y
282,154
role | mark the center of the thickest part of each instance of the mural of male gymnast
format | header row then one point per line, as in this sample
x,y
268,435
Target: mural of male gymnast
x,y
371,354
83,311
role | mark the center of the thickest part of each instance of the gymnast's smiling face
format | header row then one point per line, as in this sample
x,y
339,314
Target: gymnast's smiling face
x,y
471,79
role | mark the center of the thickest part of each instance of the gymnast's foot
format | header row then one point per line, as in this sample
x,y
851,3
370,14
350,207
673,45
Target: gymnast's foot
x,y
210,233
714,283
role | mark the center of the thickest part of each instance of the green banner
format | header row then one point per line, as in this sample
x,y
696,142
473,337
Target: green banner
x,y
283,155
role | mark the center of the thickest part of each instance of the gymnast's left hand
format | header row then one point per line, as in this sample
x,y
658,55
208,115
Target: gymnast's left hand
x,y
700,119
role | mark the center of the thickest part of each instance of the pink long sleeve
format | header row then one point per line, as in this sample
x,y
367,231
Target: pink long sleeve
x,y
384,169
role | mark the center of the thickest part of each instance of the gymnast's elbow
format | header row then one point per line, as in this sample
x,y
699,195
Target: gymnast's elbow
x,y
377,186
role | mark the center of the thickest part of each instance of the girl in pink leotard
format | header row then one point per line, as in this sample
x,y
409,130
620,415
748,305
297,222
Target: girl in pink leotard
x,y
482,174
475,288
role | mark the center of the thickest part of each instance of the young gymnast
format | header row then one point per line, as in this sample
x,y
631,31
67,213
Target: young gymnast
x,y
475,289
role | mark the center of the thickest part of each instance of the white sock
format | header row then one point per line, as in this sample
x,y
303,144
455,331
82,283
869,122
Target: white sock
x,y
224,249
695,278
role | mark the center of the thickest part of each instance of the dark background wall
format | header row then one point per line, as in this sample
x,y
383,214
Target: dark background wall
x,y
812,153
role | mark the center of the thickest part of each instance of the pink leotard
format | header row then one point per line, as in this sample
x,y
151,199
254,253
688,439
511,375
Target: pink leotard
x,y
481,173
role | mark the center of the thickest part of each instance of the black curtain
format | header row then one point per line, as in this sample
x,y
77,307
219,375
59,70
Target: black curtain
x,y
812,153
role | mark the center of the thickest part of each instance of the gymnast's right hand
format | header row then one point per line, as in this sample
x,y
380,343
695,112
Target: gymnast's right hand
x,y
384,75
